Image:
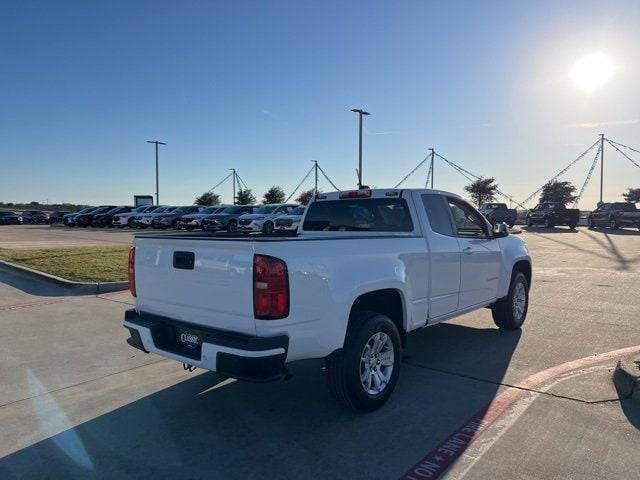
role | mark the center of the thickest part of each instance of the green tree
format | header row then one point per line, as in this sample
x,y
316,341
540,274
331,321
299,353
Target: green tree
x,y
305,197
245,197
274,195
482,190
208,198
561,192
632,195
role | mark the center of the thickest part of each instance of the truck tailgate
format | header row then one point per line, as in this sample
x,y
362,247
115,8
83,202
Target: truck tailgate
x,y
216,291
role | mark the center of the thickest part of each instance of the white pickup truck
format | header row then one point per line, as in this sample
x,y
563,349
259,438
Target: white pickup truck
x,y
366,268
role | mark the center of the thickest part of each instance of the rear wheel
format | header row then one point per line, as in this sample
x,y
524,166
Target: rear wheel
x,y
233,226
529,222
592,224
510,312
267,228
572,226
364,373
548,223
130,223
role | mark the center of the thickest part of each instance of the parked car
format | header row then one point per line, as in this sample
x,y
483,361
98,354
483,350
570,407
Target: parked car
x,y
194,220
126,219
56,217
290,221
170,219
85,219
34,217
227,219
9,218
498,213
105,219
70,219
551,214
263,218
144,220
615,215
366,268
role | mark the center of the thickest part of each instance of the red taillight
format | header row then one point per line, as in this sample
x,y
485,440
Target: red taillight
x,y
132,271
365,193
270,288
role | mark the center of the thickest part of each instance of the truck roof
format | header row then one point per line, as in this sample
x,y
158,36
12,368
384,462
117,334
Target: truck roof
x,y
378,193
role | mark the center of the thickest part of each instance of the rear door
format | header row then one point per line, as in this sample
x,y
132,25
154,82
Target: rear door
x,y
444,254
480,255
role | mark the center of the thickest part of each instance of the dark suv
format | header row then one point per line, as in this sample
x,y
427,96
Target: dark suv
x,y
56,217
34,217
227,219
8,218
105,219
85,219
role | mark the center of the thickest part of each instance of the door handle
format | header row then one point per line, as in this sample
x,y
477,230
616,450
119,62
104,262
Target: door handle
x,y
467,250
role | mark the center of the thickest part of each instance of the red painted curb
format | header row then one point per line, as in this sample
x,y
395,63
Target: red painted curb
x,y
438,460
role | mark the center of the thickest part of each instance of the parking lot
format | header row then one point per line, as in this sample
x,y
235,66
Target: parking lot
x,y
77,402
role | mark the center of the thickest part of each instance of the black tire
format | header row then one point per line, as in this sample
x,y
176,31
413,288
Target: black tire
x,y
267,228
189,228
529,222
548,223
613,225
343,367
572,227
130,223
504,311
232,226
592,224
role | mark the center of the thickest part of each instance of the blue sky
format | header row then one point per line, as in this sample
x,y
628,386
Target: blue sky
x,y
267,86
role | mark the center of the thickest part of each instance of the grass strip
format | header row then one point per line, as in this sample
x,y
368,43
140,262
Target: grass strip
x,y
81,264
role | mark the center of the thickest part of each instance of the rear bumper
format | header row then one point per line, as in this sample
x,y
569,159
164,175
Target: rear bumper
x,y
246,357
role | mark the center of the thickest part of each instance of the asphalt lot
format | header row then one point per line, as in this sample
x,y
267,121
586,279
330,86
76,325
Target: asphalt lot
x,y
77,402
46,236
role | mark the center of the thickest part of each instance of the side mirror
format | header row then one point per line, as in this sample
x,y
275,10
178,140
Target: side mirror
x,y
500,230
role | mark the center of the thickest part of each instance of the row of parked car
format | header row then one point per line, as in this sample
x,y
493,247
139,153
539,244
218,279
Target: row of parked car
x,y
613,215
232,218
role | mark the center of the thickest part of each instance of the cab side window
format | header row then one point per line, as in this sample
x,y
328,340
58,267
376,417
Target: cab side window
x,y
438,214
466,220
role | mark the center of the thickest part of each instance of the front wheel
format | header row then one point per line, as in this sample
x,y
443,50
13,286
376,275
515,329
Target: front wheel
x,y
613,225
592,224
233,226
363,374
510,312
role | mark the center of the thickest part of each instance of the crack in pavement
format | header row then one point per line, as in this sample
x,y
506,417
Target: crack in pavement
x,y
517,387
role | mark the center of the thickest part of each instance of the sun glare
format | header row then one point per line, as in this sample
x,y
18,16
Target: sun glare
x,y
592,71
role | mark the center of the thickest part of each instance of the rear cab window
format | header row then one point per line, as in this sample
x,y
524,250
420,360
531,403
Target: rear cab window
x,y
359,215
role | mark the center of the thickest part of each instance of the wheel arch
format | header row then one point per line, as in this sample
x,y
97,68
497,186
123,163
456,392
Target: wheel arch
x,y
386,301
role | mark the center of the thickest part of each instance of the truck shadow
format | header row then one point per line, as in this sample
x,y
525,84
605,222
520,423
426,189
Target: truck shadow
x,y
204,427
541,229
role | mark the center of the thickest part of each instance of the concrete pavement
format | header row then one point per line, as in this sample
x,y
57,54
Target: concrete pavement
x,y
77,402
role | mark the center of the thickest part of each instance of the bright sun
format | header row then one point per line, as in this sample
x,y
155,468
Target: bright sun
x,y
592,71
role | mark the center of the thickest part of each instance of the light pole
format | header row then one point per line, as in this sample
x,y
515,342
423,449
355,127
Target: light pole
x,y
233,172
360,113
156,142
315,169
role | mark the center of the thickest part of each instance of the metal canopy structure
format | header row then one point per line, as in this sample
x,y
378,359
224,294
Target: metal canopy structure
x,y
598,146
